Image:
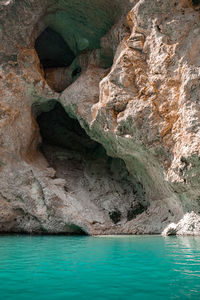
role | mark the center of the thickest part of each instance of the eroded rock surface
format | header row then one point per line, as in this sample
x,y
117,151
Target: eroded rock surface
x,y
103,136
188,225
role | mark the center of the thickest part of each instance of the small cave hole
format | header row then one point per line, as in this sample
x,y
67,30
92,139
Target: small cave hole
x,y
158,27
115,216
56,59
76,72
61,54
135,211
73,229
58,129
52,50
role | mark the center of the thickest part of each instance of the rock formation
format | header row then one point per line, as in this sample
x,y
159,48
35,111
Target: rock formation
x,y
189,225
99,116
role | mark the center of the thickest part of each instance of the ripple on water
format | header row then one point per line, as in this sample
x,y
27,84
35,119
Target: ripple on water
x,y
111,267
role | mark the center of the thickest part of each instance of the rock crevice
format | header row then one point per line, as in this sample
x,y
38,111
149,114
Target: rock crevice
x,y
99,116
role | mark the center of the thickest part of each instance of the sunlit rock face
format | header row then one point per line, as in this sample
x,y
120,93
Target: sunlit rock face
x,y
99,115
188,225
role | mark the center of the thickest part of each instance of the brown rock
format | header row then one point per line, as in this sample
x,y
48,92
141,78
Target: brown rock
x,y
144,110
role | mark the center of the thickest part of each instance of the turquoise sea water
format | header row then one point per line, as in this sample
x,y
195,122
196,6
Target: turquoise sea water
x,y
131,267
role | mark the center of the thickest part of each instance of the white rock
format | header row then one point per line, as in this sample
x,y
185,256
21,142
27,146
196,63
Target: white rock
x,y
188,225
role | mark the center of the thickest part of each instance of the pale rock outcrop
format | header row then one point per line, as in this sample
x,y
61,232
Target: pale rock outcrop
x,y
134,89
188,225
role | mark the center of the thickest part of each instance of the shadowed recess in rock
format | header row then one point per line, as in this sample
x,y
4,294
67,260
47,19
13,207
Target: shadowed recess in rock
x,y
74,28
196,2
57,128
91,175
57,59
82,23
52,50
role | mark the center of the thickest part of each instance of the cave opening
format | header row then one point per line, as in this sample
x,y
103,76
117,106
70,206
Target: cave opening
x,y
52,50
58,128
196,2
72,38
57,60
63,63
92,176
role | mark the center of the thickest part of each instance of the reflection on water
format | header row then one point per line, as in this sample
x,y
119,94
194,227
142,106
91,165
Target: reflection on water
x,y
185,251
125,267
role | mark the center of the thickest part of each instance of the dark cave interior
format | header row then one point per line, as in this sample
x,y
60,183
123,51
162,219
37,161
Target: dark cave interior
x,y
72,153
70,37
57,128
63,49
60,64
195,2
52,50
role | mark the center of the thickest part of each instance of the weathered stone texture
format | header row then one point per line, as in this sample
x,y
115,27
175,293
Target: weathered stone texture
x,y
144,110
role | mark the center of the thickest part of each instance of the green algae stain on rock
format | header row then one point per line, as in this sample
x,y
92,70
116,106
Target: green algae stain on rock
x,y
81,24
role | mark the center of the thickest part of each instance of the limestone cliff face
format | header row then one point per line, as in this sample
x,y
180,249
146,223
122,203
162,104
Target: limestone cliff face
x,y
99,116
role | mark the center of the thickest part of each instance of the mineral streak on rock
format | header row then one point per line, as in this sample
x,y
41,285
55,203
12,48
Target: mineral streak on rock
x,y
99,116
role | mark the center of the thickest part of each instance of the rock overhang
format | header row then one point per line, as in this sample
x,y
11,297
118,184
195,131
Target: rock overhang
x,y
149,108
81,23
69,30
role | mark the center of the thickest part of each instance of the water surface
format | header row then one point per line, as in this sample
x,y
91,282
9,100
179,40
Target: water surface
x,y
131,267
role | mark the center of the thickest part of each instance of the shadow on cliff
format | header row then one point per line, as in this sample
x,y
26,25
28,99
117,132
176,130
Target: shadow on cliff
x,y
92,176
